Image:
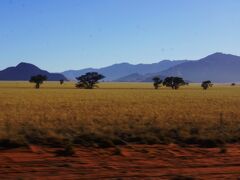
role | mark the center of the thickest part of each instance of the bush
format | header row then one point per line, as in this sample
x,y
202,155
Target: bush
x,y
67,151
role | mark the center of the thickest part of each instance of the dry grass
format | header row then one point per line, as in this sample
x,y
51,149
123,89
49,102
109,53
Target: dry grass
x,y
118,113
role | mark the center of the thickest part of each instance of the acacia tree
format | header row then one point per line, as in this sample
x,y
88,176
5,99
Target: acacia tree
x,y
61,81
156,82
89,80
38,79
173,82
206,84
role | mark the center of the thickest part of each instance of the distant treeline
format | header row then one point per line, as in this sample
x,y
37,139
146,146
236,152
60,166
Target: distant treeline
x,y
91,79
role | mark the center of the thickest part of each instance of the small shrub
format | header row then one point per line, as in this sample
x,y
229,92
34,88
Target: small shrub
x,y
174,134
67,151
94,139
156,82
61,81
209,143
223,149
149,139
194,131
118,141
117,151
206,84
10,144
191,140
204,143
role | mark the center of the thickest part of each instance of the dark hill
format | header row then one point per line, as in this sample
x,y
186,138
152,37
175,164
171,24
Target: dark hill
x,y
23,72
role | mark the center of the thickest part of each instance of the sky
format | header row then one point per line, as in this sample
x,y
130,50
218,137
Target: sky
x,y
59,35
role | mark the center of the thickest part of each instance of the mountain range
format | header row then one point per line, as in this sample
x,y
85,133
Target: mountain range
x,y
217,67
117,71
24,71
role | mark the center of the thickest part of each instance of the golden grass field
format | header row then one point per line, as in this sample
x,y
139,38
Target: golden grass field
x,y
118,113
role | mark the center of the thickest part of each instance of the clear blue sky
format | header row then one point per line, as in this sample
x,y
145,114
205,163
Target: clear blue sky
x,y
72,34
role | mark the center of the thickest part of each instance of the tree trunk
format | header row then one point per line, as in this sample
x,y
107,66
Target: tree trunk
x,y
37,85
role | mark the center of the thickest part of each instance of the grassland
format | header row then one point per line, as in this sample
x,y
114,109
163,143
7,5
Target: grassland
x,y
118,113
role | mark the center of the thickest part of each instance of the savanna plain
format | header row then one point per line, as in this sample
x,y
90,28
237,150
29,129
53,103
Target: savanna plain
x,y
124,130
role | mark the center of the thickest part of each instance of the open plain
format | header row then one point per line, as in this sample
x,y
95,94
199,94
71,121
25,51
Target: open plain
x,y
117,129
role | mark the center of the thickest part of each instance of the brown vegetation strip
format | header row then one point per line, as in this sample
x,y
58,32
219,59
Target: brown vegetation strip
x,y
137,162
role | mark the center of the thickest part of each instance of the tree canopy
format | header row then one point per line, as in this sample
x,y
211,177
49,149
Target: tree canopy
x,y
89,80
157,82
61,81
173,82
206,84
38,79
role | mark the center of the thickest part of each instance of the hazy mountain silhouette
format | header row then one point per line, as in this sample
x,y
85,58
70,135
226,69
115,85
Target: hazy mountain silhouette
x,y
217,67
23,72
135,77
117,71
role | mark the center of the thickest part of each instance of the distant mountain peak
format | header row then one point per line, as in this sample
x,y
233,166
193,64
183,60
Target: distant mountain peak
x,y
24,64
217,67
120,64
123,63
27,67
217,54
165,60
220,54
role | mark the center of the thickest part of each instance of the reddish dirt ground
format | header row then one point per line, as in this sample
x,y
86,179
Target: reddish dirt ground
x,y
135,162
